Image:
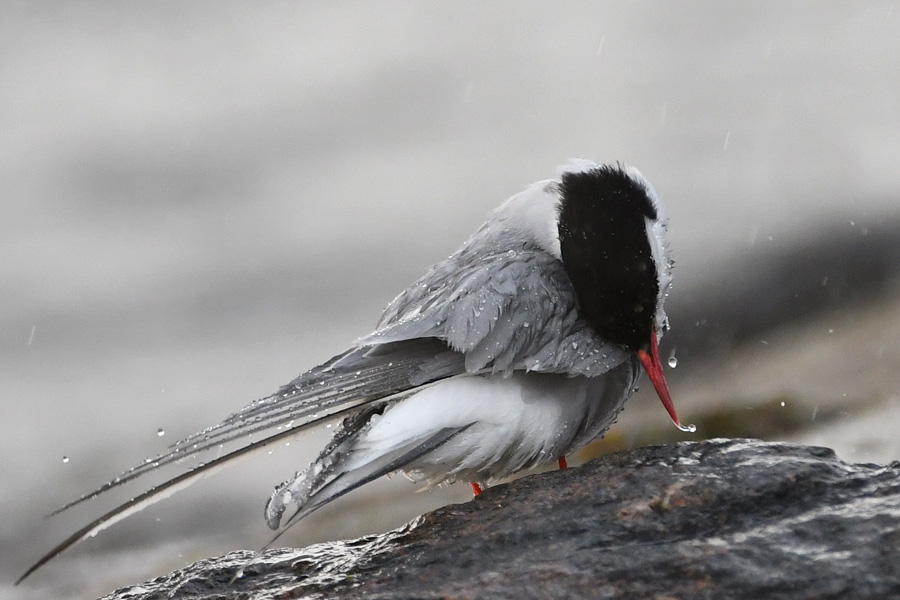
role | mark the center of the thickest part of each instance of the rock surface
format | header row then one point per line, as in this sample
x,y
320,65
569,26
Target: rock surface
x,y
712,519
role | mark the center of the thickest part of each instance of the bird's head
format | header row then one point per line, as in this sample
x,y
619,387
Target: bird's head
x,y
613,248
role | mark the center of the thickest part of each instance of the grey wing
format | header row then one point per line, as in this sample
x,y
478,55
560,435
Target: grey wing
x,y
513,309
478,311
344,383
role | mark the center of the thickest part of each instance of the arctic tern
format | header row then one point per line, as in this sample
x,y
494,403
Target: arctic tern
x,y
517,350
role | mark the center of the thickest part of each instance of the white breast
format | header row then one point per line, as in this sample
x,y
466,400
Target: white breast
x,y
511,423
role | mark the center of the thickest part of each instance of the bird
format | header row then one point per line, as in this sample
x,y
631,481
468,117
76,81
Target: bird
x,y
515,351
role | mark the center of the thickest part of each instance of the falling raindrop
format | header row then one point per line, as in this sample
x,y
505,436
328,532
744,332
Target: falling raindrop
x,y
467,95
782,402
673,362
160,432
65,459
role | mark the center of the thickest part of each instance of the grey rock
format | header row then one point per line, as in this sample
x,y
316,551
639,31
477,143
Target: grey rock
x,y
712,519
843,267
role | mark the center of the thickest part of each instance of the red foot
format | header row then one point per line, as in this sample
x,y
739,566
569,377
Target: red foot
x,y
476,489
562,463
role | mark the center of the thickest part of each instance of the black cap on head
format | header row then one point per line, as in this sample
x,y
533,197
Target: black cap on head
x,y
603,215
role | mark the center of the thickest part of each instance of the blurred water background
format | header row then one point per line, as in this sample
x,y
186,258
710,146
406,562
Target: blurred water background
x,y
201,200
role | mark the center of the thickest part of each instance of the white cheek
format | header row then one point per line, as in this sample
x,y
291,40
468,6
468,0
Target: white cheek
x,y
656,235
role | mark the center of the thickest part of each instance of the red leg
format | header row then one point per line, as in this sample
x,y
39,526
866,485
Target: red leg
x,y
562,462
476,489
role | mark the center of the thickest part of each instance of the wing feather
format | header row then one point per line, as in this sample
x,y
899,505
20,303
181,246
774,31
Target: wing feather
x,y
512,309
160,492
348,380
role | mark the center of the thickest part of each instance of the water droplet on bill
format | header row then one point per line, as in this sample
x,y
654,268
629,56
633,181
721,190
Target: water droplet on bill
x,y
687,428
